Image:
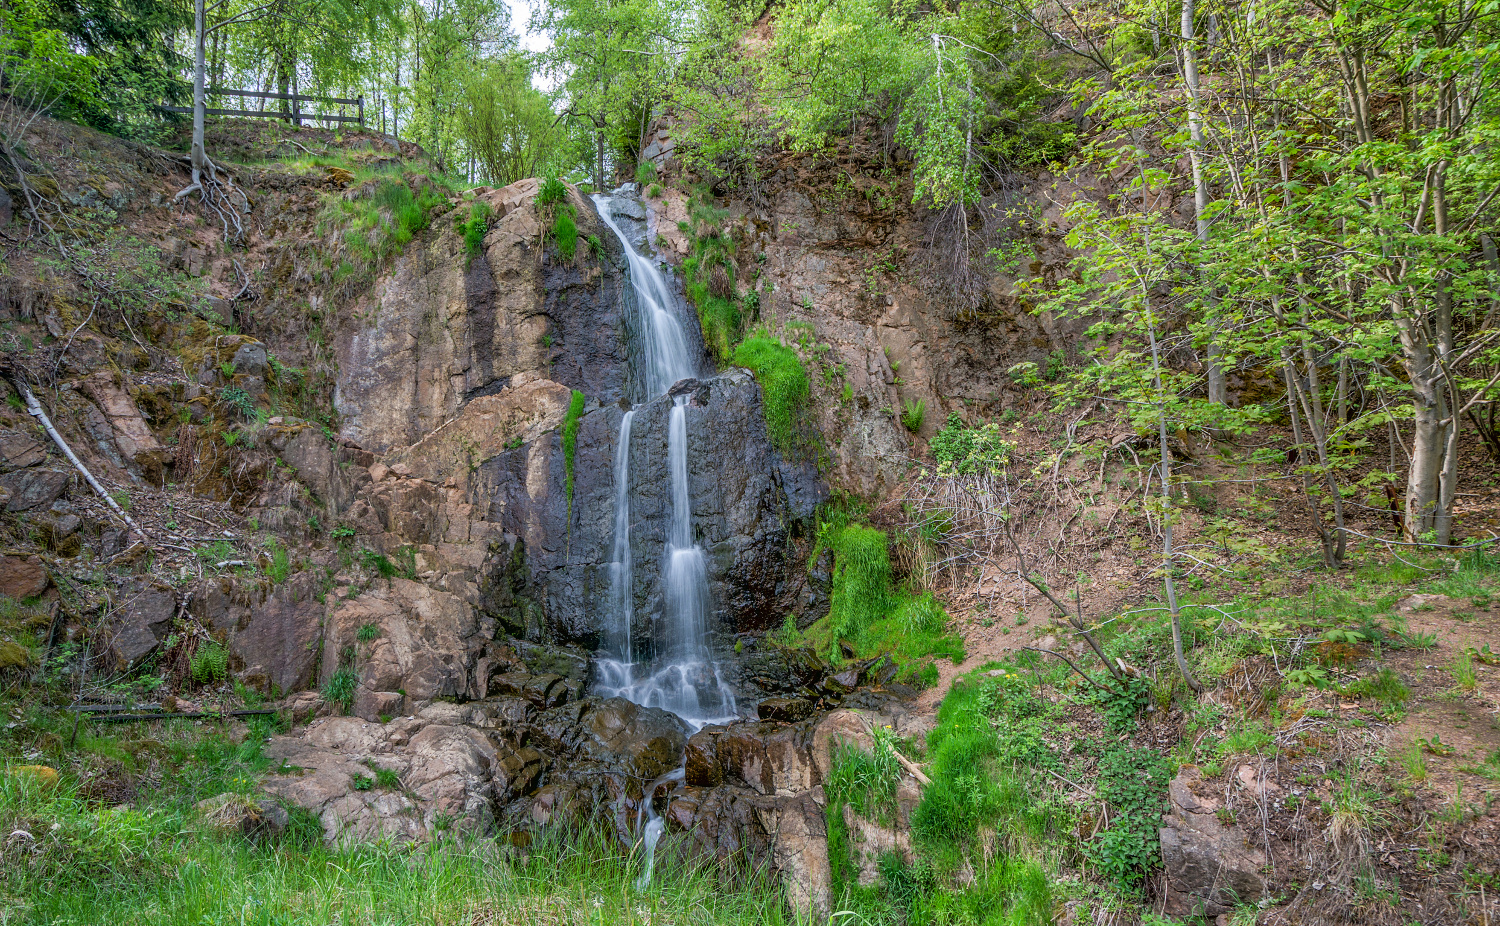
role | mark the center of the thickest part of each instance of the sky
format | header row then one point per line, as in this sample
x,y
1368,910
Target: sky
x,y
520,20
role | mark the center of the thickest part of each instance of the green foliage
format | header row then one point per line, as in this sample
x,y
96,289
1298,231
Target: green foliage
x,y
783,383
238,400
280,565
565,232
551,192
387,778
379,225
210,663
507,123
379,563
1134,782
368,633
645,173
341,688
475,228
964,451
570,441
912,414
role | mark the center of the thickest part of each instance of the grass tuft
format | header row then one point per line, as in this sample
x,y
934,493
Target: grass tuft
x,y
783,383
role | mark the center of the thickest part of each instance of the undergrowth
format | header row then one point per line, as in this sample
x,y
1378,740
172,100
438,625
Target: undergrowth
x,y
570,443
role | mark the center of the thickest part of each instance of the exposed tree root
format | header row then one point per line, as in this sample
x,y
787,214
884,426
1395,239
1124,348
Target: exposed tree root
x,y
223,197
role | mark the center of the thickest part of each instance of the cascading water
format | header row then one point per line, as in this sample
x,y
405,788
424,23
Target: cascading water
x,y
682,677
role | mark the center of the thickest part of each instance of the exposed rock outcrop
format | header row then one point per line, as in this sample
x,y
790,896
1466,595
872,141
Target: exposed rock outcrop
x,y
1212,866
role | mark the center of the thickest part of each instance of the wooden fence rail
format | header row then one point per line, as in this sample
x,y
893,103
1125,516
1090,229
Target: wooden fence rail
x,y
296,115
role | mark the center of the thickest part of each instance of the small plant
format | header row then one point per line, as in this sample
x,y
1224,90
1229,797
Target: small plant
x,y
342,532
1415,765
645,172
565,233
379,563
655,191
912,414
368,633
210,663
1465,678
551,191
340,688
1436,746
387,778
361,782
570,442
475,229
1422,642
237,399
280,564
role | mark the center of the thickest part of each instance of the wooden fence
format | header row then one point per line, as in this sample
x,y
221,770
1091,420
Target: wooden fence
x,y
296,115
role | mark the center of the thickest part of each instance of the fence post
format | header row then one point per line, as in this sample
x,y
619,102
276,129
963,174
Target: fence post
x,y
361,110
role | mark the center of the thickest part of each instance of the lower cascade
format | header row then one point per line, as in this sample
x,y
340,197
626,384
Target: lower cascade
x,y
679,673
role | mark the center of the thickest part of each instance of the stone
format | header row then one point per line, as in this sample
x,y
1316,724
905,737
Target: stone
x,y
41,776
785,710
273,633
132,435
700,763
770,758
646,742
141,621
19,450
868,842
22,577
251,360
237,813
377,706
1211,868
844,727
34,488
800,851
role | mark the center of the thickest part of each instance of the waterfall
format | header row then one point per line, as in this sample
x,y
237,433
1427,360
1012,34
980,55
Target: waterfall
x,y
682,677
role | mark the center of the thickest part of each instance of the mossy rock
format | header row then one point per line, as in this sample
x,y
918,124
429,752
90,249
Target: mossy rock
x,y
44,776
14,656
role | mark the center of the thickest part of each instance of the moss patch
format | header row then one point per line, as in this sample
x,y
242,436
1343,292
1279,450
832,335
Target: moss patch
x,y
783,381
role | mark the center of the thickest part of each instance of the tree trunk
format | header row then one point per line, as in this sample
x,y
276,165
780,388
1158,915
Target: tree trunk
x,y
1431,424
599,163
1218,388
198,155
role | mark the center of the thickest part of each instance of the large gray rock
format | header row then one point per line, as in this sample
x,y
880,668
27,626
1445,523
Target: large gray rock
x,y
141,620
1211,867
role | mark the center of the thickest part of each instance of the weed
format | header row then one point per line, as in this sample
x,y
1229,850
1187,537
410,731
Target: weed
x,y
912,414
1414,764
387,778
379,563
340,688
210,663
645,173
961,450
1385,687
1465,678
361,782
280,565
368,633
1133,781
570,442
565,233
551,191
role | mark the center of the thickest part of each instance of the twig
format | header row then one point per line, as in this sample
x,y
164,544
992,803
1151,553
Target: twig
x,y
1074,667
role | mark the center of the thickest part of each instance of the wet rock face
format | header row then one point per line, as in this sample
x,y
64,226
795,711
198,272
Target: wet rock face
x,y
748,502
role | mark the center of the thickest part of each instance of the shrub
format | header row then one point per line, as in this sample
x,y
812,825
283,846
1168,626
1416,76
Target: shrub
x,y
280,565
379,563
1134,783
783,383
645,172
475,228
570,442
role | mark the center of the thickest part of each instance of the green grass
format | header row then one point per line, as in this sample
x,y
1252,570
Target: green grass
x,y
783,383
565,232
570,442
551,191
379,225
475,229
157,863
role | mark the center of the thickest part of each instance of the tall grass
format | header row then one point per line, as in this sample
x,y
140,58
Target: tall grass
x,y
159,864
570,442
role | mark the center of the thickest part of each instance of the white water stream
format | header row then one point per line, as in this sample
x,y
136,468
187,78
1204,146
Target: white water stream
x,y
681,675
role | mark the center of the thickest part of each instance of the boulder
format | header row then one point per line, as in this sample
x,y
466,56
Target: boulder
x,y
785,710
22,577
840,727
771,758
1211,868
251,359
141,621
19,450
238,813
644,742
33,488
868,841
132,435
